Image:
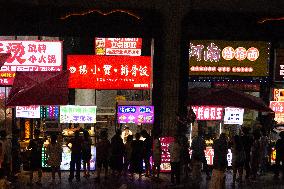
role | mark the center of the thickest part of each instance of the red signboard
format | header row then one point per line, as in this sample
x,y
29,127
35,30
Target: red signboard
x,y
165,157
118,46
208,112
109,72
277,106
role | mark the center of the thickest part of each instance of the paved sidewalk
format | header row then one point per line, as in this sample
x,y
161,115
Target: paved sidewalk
x,y
114,182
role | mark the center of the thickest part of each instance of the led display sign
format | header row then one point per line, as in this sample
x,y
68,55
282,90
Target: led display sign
x,y
225,58
135,114
109,72
208,112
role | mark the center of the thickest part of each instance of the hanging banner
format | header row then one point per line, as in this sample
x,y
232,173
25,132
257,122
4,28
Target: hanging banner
x,y
165,156
78,114
28,111
109,72
234,116
208,112
135,114
118,46
224,58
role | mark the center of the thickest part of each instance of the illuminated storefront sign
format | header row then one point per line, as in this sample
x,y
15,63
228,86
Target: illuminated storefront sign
x,y
207,112
109,72
78,114
28,111
234,116
279,65
277,107
32,55
118,46
50,112
223,58
278,94
29,56
135,114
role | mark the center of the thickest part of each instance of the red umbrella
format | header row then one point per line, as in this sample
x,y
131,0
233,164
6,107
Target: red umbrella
x,y
39,88
225,97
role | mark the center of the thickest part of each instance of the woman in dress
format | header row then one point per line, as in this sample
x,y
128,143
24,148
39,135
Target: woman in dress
x,y
54,152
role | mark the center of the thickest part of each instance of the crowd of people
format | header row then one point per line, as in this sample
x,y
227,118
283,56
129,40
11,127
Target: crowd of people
x,y
250,153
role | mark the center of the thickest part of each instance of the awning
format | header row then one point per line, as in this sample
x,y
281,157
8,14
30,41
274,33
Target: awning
x,y
3,58
225,97
39,88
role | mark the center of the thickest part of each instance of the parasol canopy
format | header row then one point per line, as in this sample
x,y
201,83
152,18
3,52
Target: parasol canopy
x,y
225,97
39,88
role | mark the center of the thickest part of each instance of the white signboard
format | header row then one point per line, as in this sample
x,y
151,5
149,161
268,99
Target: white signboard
x,y
78,114
234,116
28,111
32,55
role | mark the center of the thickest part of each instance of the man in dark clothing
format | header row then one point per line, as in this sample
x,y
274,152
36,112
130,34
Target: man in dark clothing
x,y
247,142
35,157
76,155
148,143
279,156
117,152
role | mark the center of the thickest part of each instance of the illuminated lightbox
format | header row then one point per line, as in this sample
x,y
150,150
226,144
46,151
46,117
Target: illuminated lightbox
x,y
78,114
118,46
135,114
208,112
28,111
109,72
234,116
225,58
49,112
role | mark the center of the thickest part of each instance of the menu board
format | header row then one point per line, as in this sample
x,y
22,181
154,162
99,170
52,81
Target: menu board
x,y
28,111
234,116
135,114
78,114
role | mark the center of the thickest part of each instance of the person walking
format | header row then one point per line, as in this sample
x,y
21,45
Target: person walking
x,y
54,153
220,162
103,149
157,152
255,154
76,155
16,151
6,154
279,156
35,157
117,152
128,152
264,142
86,153
247,142
238,158
148,144
175,152
136,161
198,158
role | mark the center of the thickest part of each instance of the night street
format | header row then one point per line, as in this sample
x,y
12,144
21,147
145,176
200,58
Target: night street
x,y
125,183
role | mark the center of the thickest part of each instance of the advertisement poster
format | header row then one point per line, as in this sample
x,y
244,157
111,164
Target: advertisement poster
x,y
118,46
208,112
225,58
78,114
165,157
109,72
28,111
135,114
234,116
